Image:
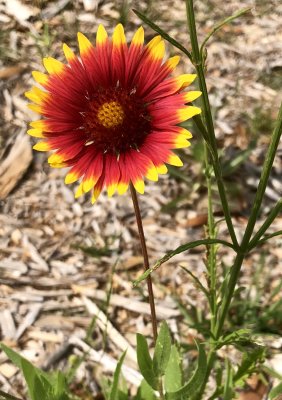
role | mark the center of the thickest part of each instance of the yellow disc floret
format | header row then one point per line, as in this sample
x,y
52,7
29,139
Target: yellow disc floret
x,y
110,114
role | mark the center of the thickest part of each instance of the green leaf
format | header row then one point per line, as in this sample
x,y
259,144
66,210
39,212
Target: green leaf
x,y
40,385
37,388
173,372
145,392
60,388
157,29
179,250
145,362
194,384
94,251
162,350
239,336
249,363
17,358
218,26
275,392
197,281
267,237
228,393
114,386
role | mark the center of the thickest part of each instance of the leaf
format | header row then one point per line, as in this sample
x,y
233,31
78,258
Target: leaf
x,y
145,362
17,358
41,385
196,381
37,388
173,372
239,336
228,393
114,386
145,392
275,392
60,388
218,26
157,29
179,250
162,350
94,251
249,362
267,237
197,281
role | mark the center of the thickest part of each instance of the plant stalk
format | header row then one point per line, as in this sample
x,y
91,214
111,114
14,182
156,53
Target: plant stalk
x,y
199,65
209,133
244,248
146,260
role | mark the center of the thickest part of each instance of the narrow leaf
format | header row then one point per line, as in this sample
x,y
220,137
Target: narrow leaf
x,y
275,392
249,362
17,360
162,350
228,392
267,237
114,387
167,37
35,387
173,372
218,26
194,384
179,250
197,281
145,362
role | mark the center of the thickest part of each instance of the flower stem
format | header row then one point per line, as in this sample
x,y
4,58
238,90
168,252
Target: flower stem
x,y
146,261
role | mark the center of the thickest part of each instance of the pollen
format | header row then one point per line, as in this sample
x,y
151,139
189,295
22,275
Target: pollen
x,y
110,114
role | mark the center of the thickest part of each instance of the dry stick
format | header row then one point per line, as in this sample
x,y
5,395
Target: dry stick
x,y
146,260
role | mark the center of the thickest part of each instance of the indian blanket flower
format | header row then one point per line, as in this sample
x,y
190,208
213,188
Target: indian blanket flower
x,y
112,115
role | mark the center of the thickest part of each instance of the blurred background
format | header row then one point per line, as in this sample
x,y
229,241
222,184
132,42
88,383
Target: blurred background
x,y
62,260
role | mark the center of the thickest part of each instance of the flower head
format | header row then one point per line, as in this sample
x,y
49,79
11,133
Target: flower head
x,y
112,115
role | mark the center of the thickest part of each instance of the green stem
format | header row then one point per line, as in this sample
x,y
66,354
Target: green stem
x,y
198,63
244,248
211,249
267,165
271,217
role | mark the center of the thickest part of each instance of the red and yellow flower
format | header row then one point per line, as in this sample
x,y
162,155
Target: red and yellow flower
x,y
112,115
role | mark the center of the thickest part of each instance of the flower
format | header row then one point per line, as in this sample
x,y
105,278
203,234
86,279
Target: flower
x,y
112,115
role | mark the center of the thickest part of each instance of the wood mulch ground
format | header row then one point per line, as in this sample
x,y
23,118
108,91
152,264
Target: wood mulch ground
x,y
50,289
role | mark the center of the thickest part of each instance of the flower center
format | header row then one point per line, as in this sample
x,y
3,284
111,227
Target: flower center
x,y
110,114
116,120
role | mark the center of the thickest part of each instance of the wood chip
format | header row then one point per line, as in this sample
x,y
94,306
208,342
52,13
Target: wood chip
x,y
28,320
112,333
108,363
7,324
15,164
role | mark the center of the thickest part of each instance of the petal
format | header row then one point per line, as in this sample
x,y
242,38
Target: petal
x,y
35,133
84,44
119,36
69,54
101,36
53,66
